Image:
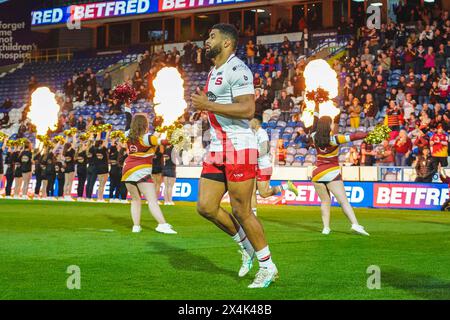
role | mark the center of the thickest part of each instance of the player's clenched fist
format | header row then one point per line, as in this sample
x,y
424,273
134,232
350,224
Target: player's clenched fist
x,y
200,101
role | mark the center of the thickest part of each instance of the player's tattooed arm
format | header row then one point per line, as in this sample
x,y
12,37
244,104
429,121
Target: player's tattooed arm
x,y
243,107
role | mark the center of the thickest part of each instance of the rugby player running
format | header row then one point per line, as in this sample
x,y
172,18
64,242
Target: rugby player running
x,y
231,162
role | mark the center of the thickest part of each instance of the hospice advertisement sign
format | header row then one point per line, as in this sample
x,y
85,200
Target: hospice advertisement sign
x,y
120,8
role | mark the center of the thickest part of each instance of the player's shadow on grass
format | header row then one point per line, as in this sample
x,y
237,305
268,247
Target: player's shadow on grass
x,y
421,221
306,227
182,259
124,222
420,285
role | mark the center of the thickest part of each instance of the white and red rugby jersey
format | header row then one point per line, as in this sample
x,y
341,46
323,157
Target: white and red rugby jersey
x,y
232,79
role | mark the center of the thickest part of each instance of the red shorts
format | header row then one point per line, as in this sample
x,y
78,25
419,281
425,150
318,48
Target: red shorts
x,y
237,167
264,174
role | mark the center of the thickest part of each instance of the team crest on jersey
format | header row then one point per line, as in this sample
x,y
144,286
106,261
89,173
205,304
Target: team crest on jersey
x,y
211,96
133,148
218,81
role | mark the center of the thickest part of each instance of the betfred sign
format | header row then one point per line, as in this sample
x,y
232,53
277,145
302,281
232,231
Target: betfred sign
x,y
414,196
172,5
93,11
120,8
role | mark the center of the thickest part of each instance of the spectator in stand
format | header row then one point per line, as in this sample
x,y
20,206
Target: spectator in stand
x,y
409,57
257,81
115,107
250,48
306,42
71,120
266,105
68,105
439,146
380,92
408,106
137,80
355,113
7,104
385,155
424,88
394,116
198,60
270,90
80,124
142,93
261,51
440,58
411,86
286,106
98,120
290,89
403,148
385,61
367,56
444,90
187,48
273,112
89,122
145,63
278,84
367,154
261,104
425,166
429,59
300,138
92,80
370,111
69,88
421,141
352,49
268,63
107,83
353,157
90,96
435,93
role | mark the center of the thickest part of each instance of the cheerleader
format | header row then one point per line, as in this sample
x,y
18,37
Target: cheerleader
x,y
69,168
101,164
82,161
91,173
123,154
170,175
115,172
157,168
60,175
26,164
37,172
17,172
137,173
9,174
2,148
326,175
48,172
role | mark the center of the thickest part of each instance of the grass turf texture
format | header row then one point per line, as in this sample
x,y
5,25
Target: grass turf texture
x,y
39,240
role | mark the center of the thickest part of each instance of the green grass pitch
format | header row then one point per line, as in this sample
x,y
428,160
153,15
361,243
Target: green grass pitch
x,y
39,240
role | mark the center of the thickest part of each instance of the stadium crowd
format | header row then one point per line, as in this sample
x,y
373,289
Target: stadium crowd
x,y
397,75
